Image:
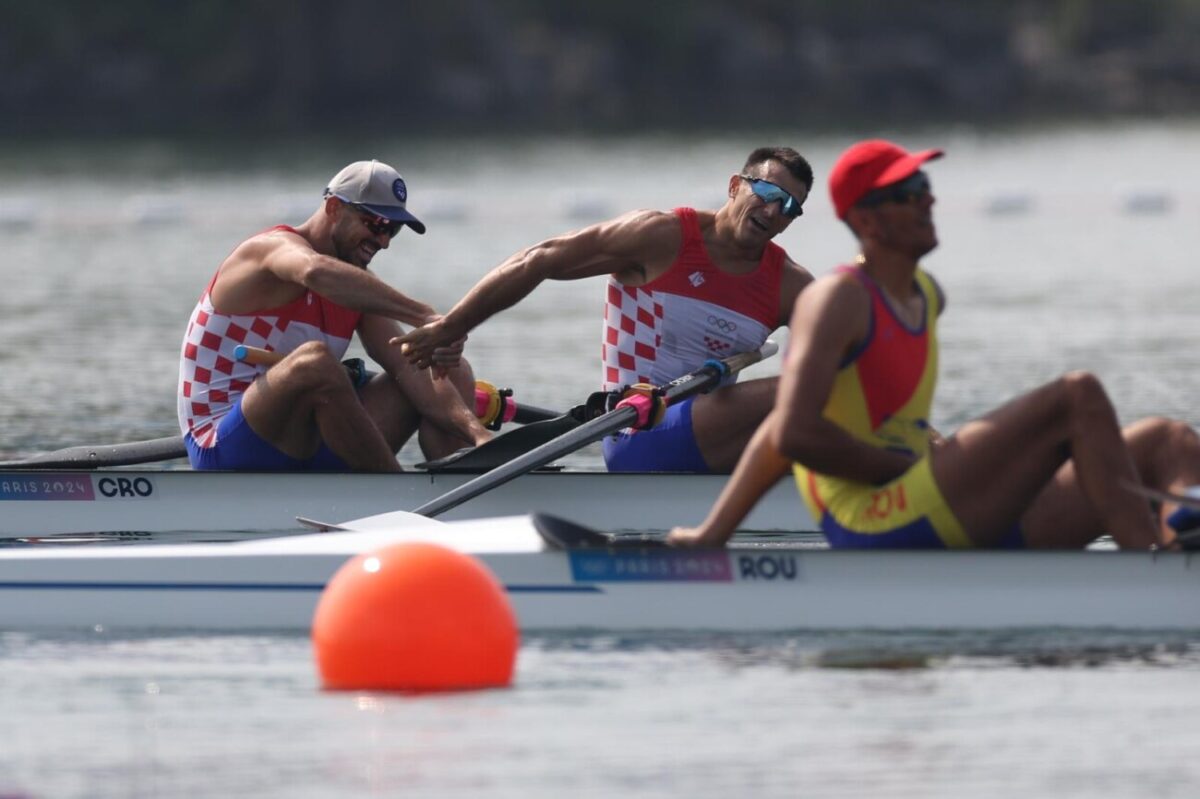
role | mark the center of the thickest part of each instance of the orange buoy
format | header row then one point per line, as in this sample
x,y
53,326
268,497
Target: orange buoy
x,y
414,617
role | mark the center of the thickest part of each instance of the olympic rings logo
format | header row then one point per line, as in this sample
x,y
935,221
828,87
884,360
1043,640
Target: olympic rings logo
x,y
723,325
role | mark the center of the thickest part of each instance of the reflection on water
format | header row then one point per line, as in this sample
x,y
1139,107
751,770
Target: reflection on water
x,y
1021,713
899,650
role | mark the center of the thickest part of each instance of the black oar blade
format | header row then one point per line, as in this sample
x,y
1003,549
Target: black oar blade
x,y
503,448
155,449
563,534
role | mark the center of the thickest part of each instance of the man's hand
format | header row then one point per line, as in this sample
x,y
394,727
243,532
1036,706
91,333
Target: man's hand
x,y
431,346
689,537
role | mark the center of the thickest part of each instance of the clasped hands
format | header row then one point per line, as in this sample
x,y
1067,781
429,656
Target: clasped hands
x,y
431,346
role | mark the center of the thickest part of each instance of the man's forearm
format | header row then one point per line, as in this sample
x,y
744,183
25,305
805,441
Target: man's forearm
x,y
828,449
502,288
360,290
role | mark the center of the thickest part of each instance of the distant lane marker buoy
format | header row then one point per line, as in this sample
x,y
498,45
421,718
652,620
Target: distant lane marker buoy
x,y
1148,202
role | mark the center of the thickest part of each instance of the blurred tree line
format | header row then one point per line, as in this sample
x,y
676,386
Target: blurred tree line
x,y
311,67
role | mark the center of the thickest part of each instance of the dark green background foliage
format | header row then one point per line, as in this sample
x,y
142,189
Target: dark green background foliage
x,y
309,67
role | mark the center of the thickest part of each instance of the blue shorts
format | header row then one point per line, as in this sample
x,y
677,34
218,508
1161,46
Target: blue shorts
x,y
669,446
239,448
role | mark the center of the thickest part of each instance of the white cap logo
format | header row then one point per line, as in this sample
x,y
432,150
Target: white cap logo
x,y
400,190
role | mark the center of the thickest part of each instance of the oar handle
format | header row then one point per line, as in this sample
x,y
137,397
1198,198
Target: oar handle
x,y
736,363
257,356
706,377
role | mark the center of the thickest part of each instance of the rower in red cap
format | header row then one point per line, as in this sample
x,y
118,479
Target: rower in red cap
x,y
1050,469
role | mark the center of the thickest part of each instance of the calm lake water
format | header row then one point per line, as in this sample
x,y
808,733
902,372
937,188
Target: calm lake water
x,y
1061,249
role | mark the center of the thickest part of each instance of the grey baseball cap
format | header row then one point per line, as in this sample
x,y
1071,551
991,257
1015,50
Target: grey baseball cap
x,y
376,187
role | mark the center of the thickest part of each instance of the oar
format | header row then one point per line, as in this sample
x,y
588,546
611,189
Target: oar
x,y
85,457
1161,496
506,446
396,520
557,532
495,403
626,414
1188,539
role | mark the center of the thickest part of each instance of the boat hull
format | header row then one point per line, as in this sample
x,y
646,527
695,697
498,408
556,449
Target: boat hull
x,y
135,504
274,584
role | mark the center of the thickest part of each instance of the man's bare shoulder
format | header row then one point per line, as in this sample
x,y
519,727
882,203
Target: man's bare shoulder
x,y
645,223
255,274
835,288
796,274
793,280
260,245
644,243
937,288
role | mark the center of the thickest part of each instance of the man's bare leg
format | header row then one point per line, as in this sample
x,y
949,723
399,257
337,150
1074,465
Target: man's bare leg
x,y
1167,456
390,410
307,398
723,421
437,442
994,467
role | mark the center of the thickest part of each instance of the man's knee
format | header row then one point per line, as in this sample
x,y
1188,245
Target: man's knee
x,y
1082,391
755,397
316,367
1160,434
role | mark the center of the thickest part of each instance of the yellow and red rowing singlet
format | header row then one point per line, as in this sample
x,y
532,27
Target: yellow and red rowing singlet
x,y
882,395
692,312
211,379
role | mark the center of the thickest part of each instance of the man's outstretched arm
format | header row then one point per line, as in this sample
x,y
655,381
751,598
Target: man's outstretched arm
x,y
622,246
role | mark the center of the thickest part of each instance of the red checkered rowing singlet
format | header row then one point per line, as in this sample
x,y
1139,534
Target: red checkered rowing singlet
x,y
693,312
211,380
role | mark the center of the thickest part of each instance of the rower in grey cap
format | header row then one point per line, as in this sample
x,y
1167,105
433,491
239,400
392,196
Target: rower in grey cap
x,y
376,188
302,292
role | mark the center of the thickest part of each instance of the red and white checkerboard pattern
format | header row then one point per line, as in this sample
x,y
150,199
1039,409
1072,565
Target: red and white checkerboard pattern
x,y
211,379
632,335
692,312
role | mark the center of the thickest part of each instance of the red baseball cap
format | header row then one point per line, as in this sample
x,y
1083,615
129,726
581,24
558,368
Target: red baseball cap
x,y
869,165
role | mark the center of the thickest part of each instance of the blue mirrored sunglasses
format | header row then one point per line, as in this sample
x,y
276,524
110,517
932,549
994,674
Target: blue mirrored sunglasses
x,y
768,192
913,187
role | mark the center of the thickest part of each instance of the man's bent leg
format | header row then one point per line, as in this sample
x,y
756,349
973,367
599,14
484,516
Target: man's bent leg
x,y
669,446
1166,453
307,398
723,421
993,469
236,447
390,410
437,442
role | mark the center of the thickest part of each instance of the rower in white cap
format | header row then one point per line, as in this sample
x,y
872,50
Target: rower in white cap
x,y
303,292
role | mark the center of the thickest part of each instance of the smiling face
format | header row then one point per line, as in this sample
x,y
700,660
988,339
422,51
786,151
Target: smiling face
x,y
757,220
357,235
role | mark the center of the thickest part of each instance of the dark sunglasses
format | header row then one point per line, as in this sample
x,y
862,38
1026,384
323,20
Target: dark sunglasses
x,y
769,193
914,187
379,225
